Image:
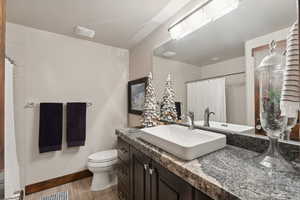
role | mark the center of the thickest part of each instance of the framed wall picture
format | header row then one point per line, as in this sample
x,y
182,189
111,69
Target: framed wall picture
x,y
136,95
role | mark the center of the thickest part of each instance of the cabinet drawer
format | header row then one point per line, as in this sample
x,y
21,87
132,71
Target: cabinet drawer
x,y
123,150
123,173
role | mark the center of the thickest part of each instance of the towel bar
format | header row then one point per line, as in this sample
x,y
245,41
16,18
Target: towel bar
x,y
32,104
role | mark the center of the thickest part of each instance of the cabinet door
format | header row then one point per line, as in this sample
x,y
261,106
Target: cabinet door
x,y
123,170
140,177
166,185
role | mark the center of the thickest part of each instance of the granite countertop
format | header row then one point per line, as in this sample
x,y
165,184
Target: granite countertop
x,y
226,174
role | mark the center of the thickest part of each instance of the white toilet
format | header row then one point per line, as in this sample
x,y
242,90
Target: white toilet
x,y
102,165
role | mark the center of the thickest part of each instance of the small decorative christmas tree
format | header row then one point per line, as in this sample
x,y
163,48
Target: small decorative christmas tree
x,y
168,108
150,113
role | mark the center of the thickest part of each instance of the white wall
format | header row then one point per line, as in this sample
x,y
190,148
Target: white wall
x,y
180,73
57,68
141,55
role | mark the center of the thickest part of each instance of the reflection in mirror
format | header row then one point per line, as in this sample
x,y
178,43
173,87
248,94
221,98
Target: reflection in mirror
x,y
213,67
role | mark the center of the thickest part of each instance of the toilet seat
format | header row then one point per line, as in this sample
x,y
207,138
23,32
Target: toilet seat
x,y
104,156
102,164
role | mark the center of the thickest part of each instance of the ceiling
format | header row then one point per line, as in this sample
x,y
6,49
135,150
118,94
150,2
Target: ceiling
x,y
224,39
116,22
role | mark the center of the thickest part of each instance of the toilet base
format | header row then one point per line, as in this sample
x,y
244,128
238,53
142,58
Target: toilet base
x,y
103,180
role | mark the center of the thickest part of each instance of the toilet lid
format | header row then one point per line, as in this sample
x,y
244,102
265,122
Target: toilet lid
x,y
104,156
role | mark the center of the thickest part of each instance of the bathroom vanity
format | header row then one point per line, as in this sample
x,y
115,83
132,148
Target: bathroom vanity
x,y
140,177
150,173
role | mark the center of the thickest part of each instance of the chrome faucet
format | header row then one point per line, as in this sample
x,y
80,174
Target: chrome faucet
x,y
191,119
206,117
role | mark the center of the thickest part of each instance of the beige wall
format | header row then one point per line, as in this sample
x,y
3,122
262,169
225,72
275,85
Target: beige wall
x,y
57,68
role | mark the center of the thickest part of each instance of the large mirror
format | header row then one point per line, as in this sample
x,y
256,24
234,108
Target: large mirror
x,y
214,65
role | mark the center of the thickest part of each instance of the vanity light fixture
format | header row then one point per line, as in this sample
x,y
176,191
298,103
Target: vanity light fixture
x,y
84,32
169,54
215,58
207,12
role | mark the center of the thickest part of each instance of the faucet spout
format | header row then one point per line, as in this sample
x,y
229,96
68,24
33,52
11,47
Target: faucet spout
x,y
207,114
191,119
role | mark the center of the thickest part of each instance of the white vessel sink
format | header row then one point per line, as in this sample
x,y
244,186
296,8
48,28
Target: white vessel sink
x,y
182,142
234,128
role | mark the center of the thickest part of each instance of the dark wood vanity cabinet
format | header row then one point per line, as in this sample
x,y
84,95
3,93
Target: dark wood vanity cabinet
x,y
148,180
140,176
165,185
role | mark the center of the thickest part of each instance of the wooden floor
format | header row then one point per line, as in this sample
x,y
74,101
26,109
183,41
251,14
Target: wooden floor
x,y
78,190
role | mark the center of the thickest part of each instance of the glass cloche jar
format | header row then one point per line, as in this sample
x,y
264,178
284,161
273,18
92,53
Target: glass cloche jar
x,y
270,73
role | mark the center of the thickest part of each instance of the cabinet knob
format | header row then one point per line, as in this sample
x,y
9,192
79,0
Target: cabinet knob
x,y
150,171
146,166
